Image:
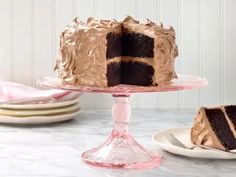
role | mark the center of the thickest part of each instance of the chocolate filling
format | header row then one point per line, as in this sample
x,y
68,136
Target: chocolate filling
x,y
133,73
221,128
129,44
231,112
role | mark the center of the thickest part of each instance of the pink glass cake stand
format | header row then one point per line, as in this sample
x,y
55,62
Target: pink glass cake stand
x,y
120,149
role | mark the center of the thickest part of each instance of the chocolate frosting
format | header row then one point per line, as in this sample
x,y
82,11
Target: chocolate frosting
x,y
82,53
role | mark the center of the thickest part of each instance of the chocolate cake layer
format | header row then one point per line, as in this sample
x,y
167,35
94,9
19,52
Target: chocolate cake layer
x,y
137,45
129,44
133,73
231,112
136,73
114,72
221,128
114,45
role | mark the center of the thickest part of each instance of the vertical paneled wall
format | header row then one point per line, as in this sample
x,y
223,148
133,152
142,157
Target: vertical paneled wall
x,y
205,30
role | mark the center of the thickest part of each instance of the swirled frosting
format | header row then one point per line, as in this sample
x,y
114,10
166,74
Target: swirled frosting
x,y
82,54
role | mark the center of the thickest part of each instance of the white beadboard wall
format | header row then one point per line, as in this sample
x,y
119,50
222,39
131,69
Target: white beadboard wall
x,y
205,29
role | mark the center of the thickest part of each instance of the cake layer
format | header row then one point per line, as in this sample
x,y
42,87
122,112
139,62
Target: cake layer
x,y
231,112
129,44
137,73
137,45
114,71
133,73
221,128
114,45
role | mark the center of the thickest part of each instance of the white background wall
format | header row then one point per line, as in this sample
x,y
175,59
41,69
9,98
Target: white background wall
x,y
206,35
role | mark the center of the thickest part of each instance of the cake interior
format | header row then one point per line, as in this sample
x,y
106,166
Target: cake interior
x,y
133,45
221,128
231,112
133,73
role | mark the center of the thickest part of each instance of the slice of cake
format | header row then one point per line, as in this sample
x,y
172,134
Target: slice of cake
x,y
215,127
107,53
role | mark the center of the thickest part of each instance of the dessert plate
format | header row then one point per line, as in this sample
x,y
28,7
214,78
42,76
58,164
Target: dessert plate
x,y
39,105
41,112
183,134
39,119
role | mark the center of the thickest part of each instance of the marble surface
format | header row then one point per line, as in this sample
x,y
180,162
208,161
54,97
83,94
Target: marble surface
x,y
54,150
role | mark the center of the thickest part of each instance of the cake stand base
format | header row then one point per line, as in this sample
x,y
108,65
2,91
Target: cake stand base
x,y
120,150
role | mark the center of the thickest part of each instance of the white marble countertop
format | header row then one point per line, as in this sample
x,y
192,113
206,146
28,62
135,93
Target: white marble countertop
x,y
54,150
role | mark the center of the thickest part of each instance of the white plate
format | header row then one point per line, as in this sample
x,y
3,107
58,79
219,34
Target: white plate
x,y
39,105
40,112
38,119
183,134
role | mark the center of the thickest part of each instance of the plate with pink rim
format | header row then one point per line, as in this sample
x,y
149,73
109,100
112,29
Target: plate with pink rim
x,y
183,134
38,105
183,82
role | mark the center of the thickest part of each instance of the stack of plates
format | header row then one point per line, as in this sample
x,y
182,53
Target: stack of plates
x,y
38,112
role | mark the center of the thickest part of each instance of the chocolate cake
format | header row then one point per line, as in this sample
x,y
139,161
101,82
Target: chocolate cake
x,y
107,53
215,127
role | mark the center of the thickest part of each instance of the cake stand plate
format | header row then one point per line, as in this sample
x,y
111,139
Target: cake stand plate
x,y
120,149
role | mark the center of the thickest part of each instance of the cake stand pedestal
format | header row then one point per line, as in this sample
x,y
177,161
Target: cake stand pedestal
x,y
120,149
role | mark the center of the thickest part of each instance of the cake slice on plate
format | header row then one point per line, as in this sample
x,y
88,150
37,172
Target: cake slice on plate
x,y
215,127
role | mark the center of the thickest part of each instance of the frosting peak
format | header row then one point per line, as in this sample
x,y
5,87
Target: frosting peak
x,y
150,23
130,19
